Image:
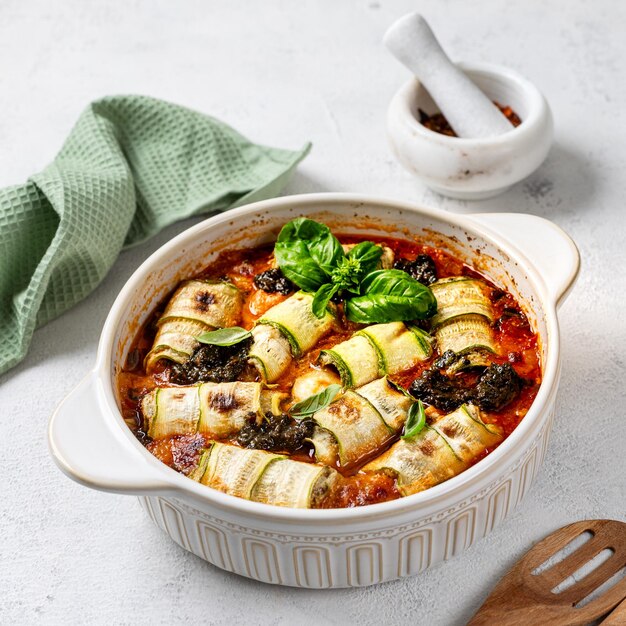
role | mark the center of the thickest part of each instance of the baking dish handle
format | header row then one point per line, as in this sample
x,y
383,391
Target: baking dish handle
x,y
548,247
90,452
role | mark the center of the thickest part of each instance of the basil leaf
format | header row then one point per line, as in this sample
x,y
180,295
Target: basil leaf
x,y
307,252
391,296
315,403
225,336
297,265
397,283
322,298
369,255
378,308
415,421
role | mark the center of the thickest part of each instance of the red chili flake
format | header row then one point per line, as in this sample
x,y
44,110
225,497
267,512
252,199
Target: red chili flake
x,y
439,124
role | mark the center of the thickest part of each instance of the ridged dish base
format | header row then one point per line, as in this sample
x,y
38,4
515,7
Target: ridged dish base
x,y
319,560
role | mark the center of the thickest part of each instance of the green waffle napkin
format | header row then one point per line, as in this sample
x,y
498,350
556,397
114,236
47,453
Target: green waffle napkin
x,y
131,166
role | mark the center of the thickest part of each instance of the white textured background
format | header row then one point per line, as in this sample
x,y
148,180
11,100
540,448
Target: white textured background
x,y
283,73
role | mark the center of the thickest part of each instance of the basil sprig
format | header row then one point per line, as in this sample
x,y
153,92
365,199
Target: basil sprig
x,y
347,276
225,336
316,402
312,257
415,421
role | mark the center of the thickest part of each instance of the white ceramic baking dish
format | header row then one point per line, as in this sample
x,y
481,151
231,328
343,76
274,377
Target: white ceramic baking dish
x,y
92,444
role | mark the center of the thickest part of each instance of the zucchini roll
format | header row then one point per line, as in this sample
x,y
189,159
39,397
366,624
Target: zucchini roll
x,y
263,476
466,432
463,319
231,469
294,330
439,451
215,409
294,484
389,400
171,411
270,352
196,307
378,350
356,360
359,423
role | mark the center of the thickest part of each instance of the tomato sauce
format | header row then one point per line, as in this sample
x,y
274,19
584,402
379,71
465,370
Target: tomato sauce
x,y
515,339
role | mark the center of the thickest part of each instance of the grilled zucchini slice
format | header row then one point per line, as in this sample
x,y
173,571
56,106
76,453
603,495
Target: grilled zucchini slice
x,y
294,318
171,411
466,432
270,352
391,403
355,425
263,476
356,360
216,409
460,295
463,319
400,346
419,463
284,332
378,350
196,307
225,408
469,333
293,484
439,451
231,469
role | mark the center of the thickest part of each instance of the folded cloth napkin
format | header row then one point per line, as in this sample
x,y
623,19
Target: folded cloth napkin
x,y
131,166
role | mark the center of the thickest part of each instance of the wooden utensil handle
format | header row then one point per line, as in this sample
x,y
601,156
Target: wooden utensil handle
x,y
617,617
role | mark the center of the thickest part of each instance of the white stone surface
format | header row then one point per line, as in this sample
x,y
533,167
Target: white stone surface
x,y
282,73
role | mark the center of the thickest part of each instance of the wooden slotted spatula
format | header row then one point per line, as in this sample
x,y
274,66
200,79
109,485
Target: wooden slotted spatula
x,y
524,597
617,616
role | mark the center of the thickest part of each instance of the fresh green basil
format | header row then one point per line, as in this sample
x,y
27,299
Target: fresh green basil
x,y
397,283
391,296
322,298
415,421
225,336
307,253
359,262
368,255
316,402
